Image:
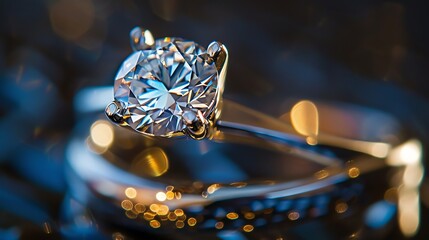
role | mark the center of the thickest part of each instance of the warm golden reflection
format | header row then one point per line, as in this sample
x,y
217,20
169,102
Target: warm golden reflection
x,y
232,215
151,162
248,228
127,205
130,192
354,172
163,210
169,195
408,154
172,216
161,196
380,150
219,225
180,224
155,224
159,213
192,222
47,228
131,214
140,208
149,216
238,184
409,211
102,134
154,207
341,207
249,215
321,174
212,188
182,217
179,212
413,175
293,216
117,236
305,120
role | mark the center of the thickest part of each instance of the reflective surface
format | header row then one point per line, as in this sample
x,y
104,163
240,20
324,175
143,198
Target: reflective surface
x,y
164,87
242,186
369,53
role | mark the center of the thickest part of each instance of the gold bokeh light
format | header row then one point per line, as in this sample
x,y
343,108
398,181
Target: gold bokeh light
x,y
232,215
151,162
248,228
293,215
127,205
305,120
102,134
131,192
354,172
161,196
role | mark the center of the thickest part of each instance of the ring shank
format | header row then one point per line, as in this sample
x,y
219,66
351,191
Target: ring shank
x,y
343,127
346,137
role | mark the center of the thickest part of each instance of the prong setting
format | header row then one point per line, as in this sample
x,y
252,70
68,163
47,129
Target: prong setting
x,y
151,105
115,112
217,53
198,128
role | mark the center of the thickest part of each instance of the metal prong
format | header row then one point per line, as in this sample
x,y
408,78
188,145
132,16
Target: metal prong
x,y
217,52
141,39
114,111
197,125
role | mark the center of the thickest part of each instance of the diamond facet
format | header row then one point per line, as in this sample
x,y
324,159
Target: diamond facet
x,y
160,86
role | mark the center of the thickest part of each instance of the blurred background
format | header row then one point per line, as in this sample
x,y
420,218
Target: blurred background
x,y
371,53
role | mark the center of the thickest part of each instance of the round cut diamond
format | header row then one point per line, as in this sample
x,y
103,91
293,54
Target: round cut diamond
x,y
161,86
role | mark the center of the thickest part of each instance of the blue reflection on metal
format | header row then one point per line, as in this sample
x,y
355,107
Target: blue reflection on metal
x,y
93,99
231,235
309,187
260,222
257,206
219,213
283,205
379,214
217,167
209,223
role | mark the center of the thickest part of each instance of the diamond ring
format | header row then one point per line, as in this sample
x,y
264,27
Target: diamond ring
x,y
169,87
173,87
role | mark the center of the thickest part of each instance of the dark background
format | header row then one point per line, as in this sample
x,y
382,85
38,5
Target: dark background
x,y
373,53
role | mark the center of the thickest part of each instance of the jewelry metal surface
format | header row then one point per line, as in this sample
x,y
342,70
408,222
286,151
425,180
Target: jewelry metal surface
x,y
172,87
